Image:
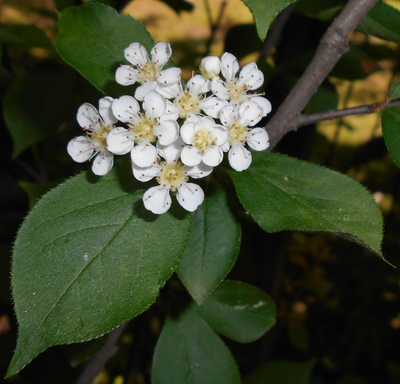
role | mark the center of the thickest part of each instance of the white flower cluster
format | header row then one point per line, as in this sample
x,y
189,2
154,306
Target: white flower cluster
x,y
173,134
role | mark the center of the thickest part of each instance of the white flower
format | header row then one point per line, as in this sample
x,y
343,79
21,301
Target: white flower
x,y
157,122
147,72
210,66
235,87
237,120
97,127
192,100
204,139
172,175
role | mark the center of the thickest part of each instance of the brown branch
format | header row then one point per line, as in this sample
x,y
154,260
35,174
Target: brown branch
x,y
336,113
332,45
98,360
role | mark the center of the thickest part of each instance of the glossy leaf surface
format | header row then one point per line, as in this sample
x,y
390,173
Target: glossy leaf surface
x,y
92,39
283,193
97,258
213,244
391,132
189,351
239,311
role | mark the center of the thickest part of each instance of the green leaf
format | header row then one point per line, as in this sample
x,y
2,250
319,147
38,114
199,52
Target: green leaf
x,y
36,190
382,21
391,132
239,311
282,372
26,35
37,102
87,258
324,10
324,99
92,39
264,12
283,193
213,244
394,90
189,351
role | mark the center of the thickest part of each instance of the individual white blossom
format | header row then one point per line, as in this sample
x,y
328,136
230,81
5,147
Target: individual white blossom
x,y
236,85
193,100
172,175
210,66
97,126
204,139
147,71
157,122
237,119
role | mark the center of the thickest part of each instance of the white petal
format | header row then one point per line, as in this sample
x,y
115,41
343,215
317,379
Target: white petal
x,y
257,139
263,103
225,147
171,152
229,66
169,76
198,84
250,113
161,53
143,89
187,132
136,54
102,163
120,141
169,91
210,66
251,76
167,132
198,171
126,109
213,156
80,149
87,116
191,156
157,199
154,105
219,89
145,174
171,112
144,154
239,157
212,106
190,196
126,75
106,112
220,133
228,115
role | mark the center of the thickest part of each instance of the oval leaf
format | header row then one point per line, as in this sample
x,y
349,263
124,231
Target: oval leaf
x,y
264,12
213,245
394,90
382,21
88,258
283,193
391,132
92,38
239,311
189,351
36,103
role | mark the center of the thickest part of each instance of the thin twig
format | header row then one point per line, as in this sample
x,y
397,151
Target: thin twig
x,y
332,45
313,118
213,26
98,361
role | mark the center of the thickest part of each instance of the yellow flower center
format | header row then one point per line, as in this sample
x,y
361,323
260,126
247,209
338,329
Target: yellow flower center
x,y
203,140
237,133
99,136
144,129
187,103
236,92
147,72
172,175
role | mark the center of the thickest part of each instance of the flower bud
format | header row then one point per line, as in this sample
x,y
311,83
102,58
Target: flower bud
x,y
210,66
